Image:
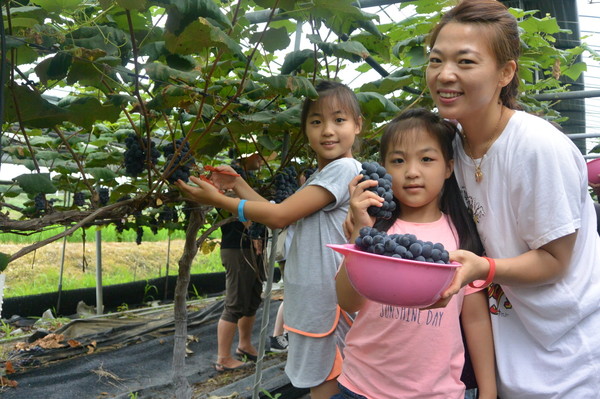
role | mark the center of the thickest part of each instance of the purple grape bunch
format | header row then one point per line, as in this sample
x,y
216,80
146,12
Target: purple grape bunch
x,y
180,169
374,171
285,183
135,155
405,246
79,199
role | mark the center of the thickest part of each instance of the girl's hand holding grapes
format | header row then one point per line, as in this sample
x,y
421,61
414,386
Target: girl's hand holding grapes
x,y
360,200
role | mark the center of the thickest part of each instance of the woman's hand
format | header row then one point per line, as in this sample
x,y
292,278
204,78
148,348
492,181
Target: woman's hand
x,y
204,193
473,268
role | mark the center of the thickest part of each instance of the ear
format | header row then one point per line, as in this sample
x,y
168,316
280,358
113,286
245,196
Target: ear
x,y
507,72
449,168
359,126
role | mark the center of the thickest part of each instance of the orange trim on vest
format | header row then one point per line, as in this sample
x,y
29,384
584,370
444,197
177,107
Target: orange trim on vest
x,y
317,335
336,370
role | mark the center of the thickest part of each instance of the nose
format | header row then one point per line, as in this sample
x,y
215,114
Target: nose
x,y
446,72
327,128
412,169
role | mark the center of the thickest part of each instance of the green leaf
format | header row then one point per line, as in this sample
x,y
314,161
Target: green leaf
x,y
375,106
575,70
4,260
185,12
23,22
47,155
297,85
267,142
200,35
273,39
54,68
26,55
283,4
351,50
132,4
34,110
181,62
33,183
84,111
387,85
417,56
162,73
37,13
57,6
294,59
122,190
101,174
10,191
112,41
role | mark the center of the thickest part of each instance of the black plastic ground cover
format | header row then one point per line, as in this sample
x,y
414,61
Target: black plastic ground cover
x,y
134,357
207,284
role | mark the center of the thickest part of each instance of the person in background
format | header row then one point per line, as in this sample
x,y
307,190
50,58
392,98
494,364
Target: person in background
x,y
389,357
244,274
526,184
316,326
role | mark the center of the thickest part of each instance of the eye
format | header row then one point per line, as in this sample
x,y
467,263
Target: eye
x,y
434,60
427,159
397,160
340,120
466,61
315,122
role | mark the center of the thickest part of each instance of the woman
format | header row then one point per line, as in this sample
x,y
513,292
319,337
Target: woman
x,y
526,184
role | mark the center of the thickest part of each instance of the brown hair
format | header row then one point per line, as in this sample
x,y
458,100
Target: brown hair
x,y
504,36
415,121
342,93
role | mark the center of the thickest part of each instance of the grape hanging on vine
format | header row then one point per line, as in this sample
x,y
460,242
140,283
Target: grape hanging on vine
x,y
135,155
285,184
180,164
103,195
79,199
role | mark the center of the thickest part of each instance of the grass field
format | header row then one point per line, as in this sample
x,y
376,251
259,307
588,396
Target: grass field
x,y
123,261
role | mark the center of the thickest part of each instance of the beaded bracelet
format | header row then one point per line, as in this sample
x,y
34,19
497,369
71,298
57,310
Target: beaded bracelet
x,y
241,216
490,276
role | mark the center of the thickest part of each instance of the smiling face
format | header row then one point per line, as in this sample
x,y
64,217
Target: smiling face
x,y
463,74
418,168
331,130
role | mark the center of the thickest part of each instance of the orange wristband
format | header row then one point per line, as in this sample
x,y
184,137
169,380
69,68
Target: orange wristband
x,y
490,276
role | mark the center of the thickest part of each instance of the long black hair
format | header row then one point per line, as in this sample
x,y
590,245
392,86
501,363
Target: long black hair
x,y
451,201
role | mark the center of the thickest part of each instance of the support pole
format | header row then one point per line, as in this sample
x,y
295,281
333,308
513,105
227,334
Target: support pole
x,y
99,299
265,318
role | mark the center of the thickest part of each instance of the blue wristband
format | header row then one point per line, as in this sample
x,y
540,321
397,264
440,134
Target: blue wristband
x,y
241,216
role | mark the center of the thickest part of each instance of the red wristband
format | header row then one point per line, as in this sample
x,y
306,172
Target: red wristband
x,y
490,276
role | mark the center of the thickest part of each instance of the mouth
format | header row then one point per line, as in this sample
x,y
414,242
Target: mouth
x,y
328,143
449,94
413,187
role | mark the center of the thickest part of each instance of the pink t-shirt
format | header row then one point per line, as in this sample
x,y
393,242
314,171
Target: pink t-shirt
x,y
394,352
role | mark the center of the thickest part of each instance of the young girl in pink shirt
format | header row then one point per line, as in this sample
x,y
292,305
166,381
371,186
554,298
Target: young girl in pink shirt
x,y
394,352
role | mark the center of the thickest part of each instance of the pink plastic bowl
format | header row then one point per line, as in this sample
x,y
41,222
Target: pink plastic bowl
x,y
593,168
395,281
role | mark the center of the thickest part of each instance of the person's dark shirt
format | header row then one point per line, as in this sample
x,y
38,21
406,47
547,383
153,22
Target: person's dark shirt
x,y
233,236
